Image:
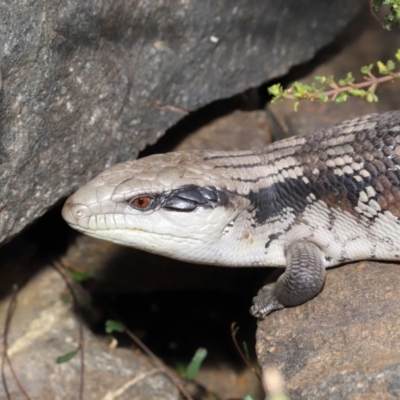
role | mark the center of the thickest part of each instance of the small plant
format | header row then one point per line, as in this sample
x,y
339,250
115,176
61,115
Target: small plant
x,y
190,372
249,397
393,18
80,276
114,326
194,366
328,89
66,357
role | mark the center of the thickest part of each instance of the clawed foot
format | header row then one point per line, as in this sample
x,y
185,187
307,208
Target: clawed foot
x,y
265,302
302,280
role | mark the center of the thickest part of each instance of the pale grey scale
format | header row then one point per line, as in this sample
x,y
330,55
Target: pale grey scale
x,y
307,203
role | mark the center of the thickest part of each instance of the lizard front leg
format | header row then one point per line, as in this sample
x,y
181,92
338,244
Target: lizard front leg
x,y
302,280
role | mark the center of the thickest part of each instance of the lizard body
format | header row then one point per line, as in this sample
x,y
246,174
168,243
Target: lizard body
x,y
305,203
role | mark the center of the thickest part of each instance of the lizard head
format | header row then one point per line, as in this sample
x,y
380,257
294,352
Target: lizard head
x,y
176,204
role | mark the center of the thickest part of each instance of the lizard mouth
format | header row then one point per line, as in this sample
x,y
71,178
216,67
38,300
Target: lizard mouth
x,y
121,236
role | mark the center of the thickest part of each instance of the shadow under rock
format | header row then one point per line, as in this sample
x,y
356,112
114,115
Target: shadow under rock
x,y
32,250
178,307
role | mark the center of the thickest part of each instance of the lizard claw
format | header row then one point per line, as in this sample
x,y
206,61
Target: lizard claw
x,y
265,302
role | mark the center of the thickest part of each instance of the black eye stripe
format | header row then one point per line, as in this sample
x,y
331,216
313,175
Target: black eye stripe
x,y
191,197
192,194
208,194
177,204
185,199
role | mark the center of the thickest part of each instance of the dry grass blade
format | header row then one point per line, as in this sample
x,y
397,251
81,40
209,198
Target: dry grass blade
x,y
60,269
234,331
171,375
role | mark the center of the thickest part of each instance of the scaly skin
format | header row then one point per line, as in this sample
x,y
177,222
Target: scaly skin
x,y
304,203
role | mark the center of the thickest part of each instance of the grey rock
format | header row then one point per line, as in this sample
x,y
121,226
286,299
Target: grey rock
x,y
343,344
88,84
43,328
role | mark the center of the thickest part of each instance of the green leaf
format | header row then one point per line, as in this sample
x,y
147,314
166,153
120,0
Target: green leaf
x,y
397,55
114,326
66,357
394,12
372,97
346,81
366,69
302,88
381,67
357,92
275,90
299,95
320,79
330,80
341,98
323,97
390,65
377,4
80,276
194,365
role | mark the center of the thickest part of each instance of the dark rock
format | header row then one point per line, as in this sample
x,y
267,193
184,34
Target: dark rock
x,y
343,344
359,44
88,84
238,130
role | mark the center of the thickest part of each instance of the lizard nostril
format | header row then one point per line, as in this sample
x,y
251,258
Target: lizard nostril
x,y
79,211
73,212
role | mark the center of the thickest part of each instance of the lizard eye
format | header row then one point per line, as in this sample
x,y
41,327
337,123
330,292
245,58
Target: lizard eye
x,y
142,202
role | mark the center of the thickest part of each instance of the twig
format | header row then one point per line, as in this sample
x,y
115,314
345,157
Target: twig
x,y
374,14
172,108
234,331
60,269
121,390
339,89
171,375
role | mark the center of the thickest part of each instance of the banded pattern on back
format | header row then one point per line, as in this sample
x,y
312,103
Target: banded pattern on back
x,y
304,203
354,165
338,188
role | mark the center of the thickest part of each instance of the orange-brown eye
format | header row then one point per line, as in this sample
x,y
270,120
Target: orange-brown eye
x,y
141,202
